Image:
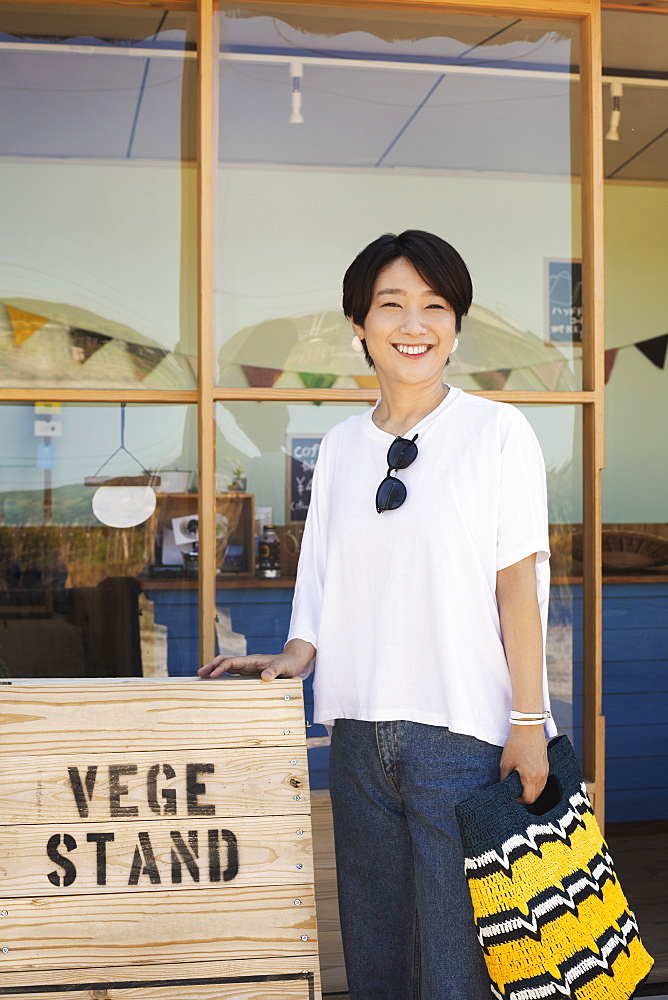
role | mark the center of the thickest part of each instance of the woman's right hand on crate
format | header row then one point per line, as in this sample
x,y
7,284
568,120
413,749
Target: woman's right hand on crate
x,y
290,663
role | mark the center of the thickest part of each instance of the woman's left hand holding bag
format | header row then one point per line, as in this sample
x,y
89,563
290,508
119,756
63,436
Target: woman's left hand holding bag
x,y
526,752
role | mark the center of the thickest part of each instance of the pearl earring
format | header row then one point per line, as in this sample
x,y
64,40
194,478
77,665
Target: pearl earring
x,y
356,345
454,346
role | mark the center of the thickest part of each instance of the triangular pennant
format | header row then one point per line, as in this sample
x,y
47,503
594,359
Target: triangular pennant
x,y
549,372
655,349
24,324
492,380
260,378
367,381
84,343
145,359
315,380
610,358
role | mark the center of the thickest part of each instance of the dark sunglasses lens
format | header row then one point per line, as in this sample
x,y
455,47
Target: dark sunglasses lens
x,y
401,454
390,495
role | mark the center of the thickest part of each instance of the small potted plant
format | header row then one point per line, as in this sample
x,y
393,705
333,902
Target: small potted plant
x,y
238,484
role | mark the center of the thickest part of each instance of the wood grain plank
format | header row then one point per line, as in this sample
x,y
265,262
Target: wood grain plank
x,y
84,982
326,896
133,857
80,395
566,9
593,414
323,831
183,5
296,986
153,927
208,67
332,967
327,901
251,783
517,396
222,393
102,716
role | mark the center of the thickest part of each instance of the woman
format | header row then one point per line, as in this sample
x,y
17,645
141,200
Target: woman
x,y
427,609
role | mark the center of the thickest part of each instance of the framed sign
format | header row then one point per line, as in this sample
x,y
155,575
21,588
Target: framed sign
x,y
156,837
302,454
563,282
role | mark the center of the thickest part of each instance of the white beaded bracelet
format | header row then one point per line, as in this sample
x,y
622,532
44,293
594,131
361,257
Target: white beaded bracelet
x,y
529,718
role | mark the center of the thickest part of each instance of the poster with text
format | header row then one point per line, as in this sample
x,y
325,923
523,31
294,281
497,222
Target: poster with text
x,y
302,454
564,301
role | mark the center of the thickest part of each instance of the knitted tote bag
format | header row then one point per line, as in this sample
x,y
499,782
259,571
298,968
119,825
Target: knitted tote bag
x,y
550,914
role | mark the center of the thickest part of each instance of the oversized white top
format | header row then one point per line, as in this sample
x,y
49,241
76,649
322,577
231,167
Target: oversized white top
x,y
401,606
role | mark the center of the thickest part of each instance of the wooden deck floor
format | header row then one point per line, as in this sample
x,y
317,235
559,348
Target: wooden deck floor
x,y
640,852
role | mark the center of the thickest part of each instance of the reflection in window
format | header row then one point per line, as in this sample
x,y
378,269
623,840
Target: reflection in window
x,y
97,165
466,126
79,597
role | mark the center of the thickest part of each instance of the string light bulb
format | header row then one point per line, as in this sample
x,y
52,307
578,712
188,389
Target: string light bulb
x,y
296,72
616,92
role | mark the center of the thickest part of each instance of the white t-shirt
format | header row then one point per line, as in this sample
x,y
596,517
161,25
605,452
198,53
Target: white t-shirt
x,y
401,606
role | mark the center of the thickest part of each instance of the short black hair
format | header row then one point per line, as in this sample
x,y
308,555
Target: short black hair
x,y
436,261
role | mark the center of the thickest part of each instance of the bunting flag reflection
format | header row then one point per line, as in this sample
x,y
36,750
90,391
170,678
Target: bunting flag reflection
x,y
24,324
655,350
145,359
492,380
284,344
85,343
549,373
315,380
261,378
610,358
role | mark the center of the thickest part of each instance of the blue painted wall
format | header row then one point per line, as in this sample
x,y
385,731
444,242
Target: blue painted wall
x,y
635,677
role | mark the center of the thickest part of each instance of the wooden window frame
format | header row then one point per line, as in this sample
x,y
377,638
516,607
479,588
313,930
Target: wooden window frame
x,y
587,13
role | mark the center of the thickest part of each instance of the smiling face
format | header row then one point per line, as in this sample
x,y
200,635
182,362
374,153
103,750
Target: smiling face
x,y
409,329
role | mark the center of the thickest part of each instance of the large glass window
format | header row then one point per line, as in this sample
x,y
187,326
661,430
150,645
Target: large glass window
x,y
559,430
337,126
98,197
98,532
635,482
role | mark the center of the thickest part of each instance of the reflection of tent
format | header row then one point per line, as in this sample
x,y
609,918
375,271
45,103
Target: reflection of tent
x,y
62,345
491,351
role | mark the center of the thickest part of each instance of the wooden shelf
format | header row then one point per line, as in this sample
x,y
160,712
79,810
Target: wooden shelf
x,y
562,581
230,581
239,508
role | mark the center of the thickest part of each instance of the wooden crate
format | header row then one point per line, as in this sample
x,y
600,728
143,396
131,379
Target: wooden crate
x,y
155,840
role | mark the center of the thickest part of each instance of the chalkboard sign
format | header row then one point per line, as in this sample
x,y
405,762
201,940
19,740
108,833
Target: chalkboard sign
x,y
564,299
302,454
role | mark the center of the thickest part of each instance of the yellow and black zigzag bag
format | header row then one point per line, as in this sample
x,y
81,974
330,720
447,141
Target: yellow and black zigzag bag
x,y
552,919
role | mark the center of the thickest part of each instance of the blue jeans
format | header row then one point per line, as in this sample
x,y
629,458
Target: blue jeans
x,y
406,914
